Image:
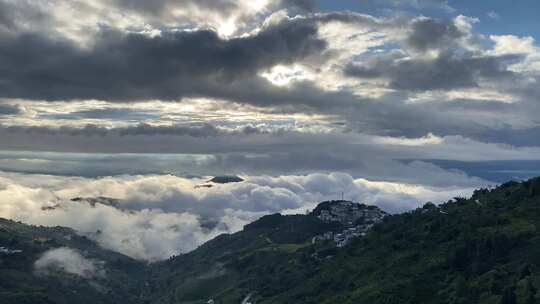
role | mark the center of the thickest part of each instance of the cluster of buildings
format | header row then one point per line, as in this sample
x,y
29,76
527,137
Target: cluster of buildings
x,y
348,234
344,237
356,218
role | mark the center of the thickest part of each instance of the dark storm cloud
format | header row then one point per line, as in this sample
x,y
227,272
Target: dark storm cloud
x,y
137,67
128,66
446,72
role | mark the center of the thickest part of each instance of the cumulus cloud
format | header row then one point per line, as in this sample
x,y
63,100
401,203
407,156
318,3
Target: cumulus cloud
x,y
369,71
157,216
69,261
447,59
445,72
167,66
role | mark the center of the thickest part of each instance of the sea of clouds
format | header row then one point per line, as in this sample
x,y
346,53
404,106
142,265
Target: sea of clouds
x,y
158,216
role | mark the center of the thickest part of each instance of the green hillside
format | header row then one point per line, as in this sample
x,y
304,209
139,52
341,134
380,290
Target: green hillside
x,y
484,249
119,279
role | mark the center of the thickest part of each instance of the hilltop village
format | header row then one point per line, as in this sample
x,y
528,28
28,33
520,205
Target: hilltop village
x,y
356,218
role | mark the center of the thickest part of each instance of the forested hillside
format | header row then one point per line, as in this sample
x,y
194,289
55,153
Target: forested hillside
x,y
55,265
483,249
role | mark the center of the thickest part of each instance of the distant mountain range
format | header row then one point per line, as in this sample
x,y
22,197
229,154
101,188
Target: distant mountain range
x,y
483,249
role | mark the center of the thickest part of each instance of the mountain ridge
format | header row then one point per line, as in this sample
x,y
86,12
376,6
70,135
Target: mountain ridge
x,y
483,249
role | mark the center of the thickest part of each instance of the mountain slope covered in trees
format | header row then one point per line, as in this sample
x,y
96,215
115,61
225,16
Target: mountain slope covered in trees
x,y
55,265
483,249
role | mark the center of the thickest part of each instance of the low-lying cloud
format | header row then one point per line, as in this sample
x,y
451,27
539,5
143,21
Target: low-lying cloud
x,y
68,261
157,216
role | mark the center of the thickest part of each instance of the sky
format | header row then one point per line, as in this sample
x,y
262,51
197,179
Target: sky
x,y
393,103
